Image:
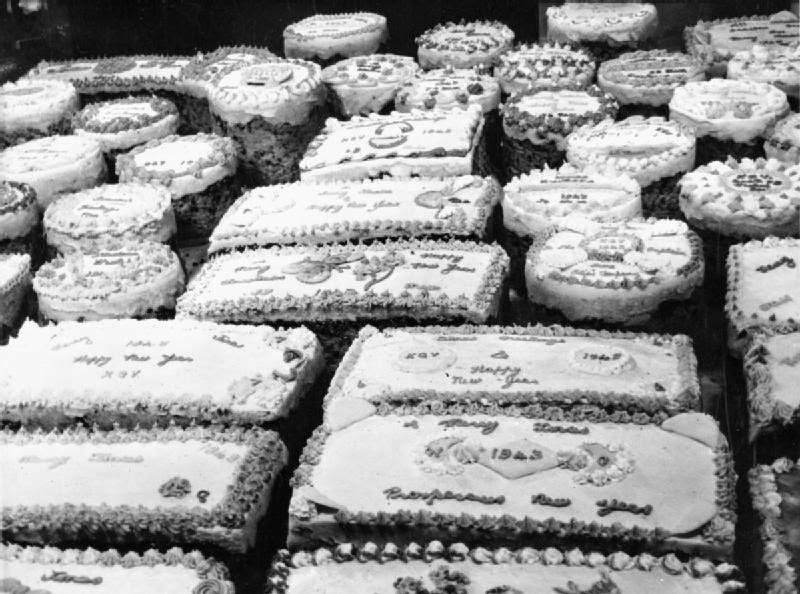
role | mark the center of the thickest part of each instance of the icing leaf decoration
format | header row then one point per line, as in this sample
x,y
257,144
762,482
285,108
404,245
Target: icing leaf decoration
x,y
213,586
314,271
604,586
175,487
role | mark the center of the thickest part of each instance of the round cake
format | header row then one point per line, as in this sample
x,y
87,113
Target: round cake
x,y
31,109
273,110
464,45
536,125
547,66
744,199
449,88
86,221
198,170
54,164
784,142
326,36
19,219
653,151
15,283
647,79
367,84
617,272
123,280
729,117
776,65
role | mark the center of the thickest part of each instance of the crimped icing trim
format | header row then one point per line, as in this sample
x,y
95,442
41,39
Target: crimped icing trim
x,y
547,65
86,120
21,275
375,22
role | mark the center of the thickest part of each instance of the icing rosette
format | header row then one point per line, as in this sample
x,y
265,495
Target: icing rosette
x,y
546,66
464,44
777,65
648,77
448,88
35,104
18,210
197,78
747,198
615,23
737,110
327,35
784,142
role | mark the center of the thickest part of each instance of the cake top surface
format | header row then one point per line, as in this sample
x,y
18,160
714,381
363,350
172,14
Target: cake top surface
x,y
449,87
547,64
620,22
650,68
205,67
772,369
128,113
371,71
469,37
788,130
148,363
720,39
765,63
15,197
763,277
34,94
322,213
725,99
518,365
332,26
48,153
131,72
633,138
529,108
438,133
334,281
14,268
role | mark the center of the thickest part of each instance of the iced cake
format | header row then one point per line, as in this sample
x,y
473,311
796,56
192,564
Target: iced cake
x,y
15,284
20,231
31,109
531,67
448,88
464,45
142,487
326,36
784,141
776,65
338,212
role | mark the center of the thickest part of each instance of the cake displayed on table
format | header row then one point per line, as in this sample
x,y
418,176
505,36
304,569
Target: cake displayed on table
x,y
503,476
20,232
448,88
120,280
747,198
325,37
515,365
54,164
273,110
784,141
531,67
338,212
15,284
653,151
536,125
31,109
367,84
437,143
716,41
198,170
776,65
121,124
605,28
464,45
175,486
59,571
618,272
434,568
729,117
643,82
763,276
146,372
87,220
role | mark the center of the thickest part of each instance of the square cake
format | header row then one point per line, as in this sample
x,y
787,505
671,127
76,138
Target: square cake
x,y
549,366
140,372
56,571
162,487
763,278
434,143
493,475
307,213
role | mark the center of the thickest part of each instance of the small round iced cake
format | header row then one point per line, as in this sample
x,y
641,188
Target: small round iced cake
x,y
54,164
448,88
15,282
122,280
546,66
19,216
325,36
367,84
34,108
776,65
744,199
87,220
648,77
464,45
198,170
617,272
784,142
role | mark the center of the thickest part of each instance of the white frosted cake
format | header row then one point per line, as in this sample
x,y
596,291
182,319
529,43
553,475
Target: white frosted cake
x,y
530,67
449,88
784,141
493,475
324,36
30,109
776,65
15,282
85,221
434,568
617,272
422,280
763,277
165,487
57,571
120,280
427,144
146,371
308,213
464,44
611,23
545,365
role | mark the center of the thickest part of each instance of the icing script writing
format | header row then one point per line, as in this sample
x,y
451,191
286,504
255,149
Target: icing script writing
x,y
548,428
789,262
429,497
66,578
486,427
452,262
52,462
227,340
775,303
509,374
791,361
605,507
105,457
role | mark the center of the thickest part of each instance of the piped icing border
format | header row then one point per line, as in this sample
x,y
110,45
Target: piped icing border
x,y
205,67
374,22
686,397
780,575
729,576
257,471
15,197
86,119
551,65
448,88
